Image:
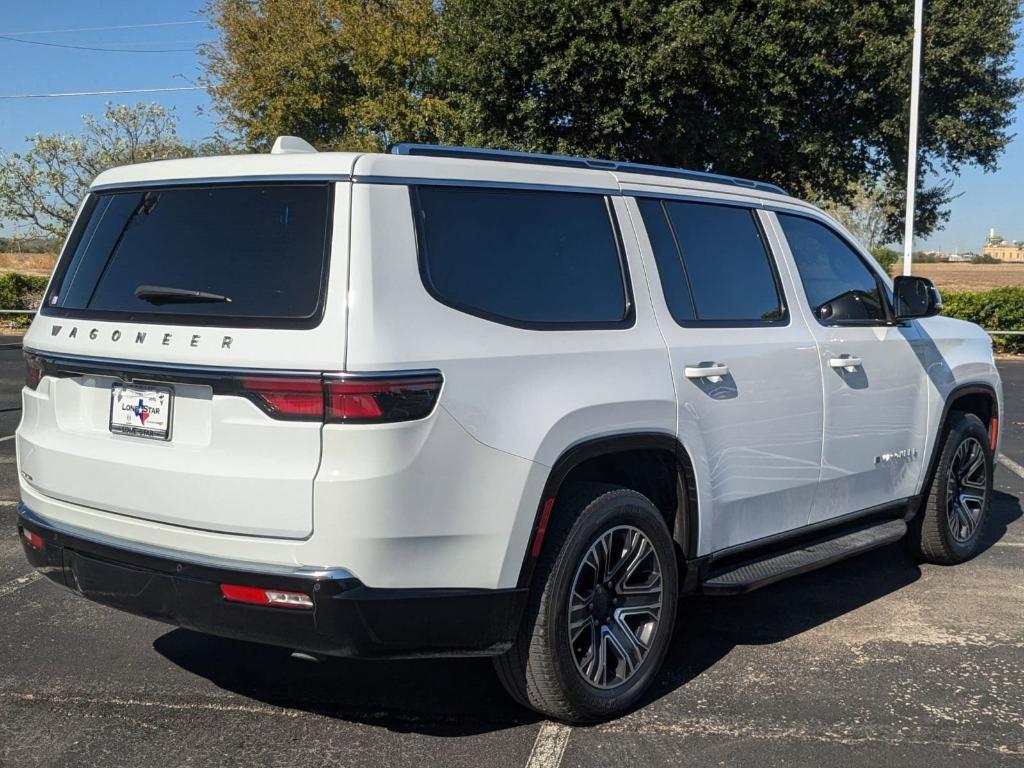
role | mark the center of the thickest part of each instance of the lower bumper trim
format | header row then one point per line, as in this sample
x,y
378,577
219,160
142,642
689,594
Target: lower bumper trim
x,y
348,618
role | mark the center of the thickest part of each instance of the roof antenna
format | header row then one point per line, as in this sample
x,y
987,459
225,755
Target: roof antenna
x,y
291,145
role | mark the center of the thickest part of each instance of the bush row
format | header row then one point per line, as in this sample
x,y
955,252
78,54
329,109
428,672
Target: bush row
x,y
1001,309
18,291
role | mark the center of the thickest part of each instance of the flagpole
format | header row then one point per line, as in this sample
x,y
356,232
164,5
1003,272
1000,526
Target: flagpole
x,y
915,98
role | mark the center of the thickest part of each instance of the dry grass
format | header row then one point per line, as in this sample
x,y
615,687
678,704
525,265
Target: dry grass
x,y
28,263
969,277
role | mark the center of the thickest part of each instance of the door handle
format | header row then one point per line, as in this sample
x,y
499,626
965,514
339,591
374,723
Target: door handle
x,y
845,362
715,370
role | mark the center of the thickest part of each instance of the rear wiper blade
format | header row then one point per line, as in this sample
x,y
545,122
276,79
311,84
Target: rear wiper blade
x,y
163,294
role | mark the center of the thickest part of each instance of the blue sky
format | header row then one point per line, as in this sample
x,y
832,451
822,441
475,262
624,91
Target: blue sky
x,y
987,200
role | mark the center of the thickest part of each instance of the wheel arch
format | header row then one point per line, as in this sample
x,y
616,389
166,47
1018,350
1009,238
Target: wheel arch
x,y
978,398
653,463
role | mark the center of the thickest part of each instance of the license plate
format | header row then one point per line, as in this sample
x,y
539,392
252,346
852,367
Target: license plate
x,y
141,411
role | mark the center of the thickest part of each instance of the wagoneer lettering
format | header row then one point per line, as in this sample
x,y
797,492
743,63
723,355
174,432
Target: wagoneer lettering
x,y
484,403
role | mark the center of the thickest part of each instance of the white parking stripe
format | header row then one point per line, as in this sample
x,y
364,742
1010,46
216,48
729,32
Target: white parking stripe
x,y
5,439
1011,465
549,747
18,583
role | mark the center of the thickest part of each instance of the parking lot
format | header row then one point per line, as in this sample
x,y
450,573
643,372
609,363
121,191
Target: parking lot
x,y
876,661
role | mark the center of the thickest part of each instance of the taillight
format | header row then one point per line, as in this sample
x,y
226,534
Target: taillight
x,y
33,370
367,400
278,598
345,398
295,399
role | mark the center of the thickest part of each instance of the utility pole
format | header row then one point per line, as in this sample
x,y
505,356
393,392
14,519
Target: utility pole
x,y
915,98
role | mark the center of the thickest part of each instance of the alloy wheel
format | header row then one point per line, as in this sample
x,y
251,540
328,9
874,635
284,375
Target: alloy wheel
x,y
615,606
966,489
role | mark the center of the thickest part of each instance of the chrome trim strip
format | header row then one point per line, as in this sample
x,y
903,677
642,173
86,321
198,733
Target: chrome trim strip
x,y
150,550
219,180
89,364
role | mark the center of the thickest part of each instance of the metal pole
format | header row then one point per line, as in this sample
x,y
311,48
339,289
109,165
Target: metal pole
x,y
915,97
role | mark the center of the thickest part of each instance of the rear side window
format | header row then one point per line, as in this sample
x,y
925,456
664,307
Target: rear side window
x,y
840,287
713,262
227,254
524,258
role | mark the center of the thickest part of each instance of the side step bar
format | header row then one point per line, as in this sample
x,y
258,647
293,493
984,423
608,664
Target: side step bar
x,y
775,566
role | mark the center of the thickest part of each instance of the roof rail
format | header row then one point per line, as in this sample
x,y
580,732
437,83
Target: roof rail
x,y
538,158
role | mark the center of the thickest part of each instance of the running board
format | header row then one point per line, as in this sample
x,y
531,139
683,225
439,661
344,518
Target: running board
x,y
753,574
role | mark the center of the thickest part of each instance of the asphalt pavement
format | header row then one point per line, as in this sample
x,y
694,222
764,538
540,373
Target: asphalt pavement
x,y
877,661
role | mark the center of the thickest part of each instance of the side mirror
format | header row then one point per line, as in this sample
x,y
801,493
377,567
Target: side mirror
x,y
915,297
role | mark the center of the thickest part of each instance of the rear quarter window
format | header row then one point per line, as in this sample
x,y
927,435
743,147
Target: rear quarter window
x,y
532,259
257,253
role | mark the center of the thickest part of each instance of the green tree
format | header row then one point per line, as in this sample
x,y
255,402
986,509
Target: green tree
x,y
887,257
810,94
343,74
43,186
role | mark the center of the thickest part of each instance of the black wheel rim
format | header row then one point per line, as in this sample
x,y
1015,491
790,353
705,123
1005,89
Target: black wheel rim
x,y
966,489
615,607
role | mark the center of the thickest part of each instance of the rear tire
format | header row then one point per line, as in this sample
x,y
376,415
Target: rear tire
x,y
950,527
606,586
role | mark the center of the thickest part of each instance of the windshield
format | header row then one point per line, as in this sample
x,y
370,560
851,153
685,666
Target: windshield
x,y
226,254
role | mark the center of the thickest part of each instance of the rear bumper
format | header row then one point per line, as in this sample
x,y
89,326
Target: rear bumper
x,y
347,617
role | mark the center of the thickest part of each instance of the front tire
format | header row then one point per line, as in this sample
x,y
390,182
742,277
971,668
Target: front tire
x,y
950,527
601,608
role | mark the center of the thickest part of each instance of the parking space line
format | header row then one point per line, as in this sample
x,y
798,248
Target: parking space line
x,y
5,439
1011,465
18,583
549,746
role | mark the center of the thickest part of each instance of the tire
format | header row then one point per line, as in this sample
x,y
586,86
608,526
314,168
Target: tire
x,y
950,527
547,667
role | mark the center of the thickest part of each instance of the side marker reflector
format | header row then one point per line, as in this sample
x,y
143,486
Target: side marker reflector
x,y
542,528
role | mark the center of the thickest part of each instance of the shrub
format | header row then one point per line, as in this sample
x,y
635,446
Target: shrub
x,y
887,257
1001,309
18,291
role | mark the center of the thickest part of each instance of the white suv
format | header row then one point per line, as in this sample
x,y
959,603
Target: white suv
x,y
452,401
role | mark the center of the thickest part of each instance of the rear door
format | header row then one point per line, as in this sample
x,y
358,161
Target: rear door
x,y
746,369
179,352
873,371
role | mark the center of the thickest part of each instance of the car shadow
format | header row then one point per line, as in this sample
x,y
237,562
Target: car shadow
x,y
462,697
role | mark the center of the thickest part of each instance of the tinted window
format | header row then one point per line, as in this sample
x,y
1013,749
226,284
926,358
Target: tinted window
x,y
839,285
670,266
720,263
521,256
263,249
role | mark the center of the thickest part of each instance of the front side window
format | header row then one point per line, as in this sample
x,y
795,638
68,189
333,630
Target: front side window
x,y
840,287
522,257
713,262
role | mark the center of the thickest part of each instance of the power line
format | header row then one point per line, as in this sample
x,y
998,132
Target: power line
x,y
91,48
102,29
100,93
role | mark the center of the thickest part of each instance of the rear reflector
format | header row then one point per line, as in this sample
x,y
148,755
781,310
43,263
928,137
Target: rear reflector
x,y
993,433
278,598
345,398
34,540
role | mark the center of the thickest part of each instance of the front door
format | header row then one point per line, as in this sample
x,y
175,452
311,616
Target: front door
x,y
747,378
875,386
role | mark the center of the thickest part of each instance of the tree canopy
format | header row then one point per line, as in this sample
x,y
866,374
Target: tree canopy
x,y
810,94
43,186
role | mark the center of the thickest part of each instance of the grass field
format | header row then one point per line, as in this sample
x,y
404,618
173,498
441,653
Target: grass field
x,y
28,263
969,277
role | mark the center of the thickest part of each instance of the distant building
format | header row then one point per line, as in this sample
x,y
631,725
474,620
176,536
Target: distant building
x,y
960,258
998,248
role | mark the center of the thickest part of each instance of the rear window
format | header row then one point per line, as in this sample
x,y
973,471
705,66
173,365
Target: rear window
x,y
524,258
226,255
